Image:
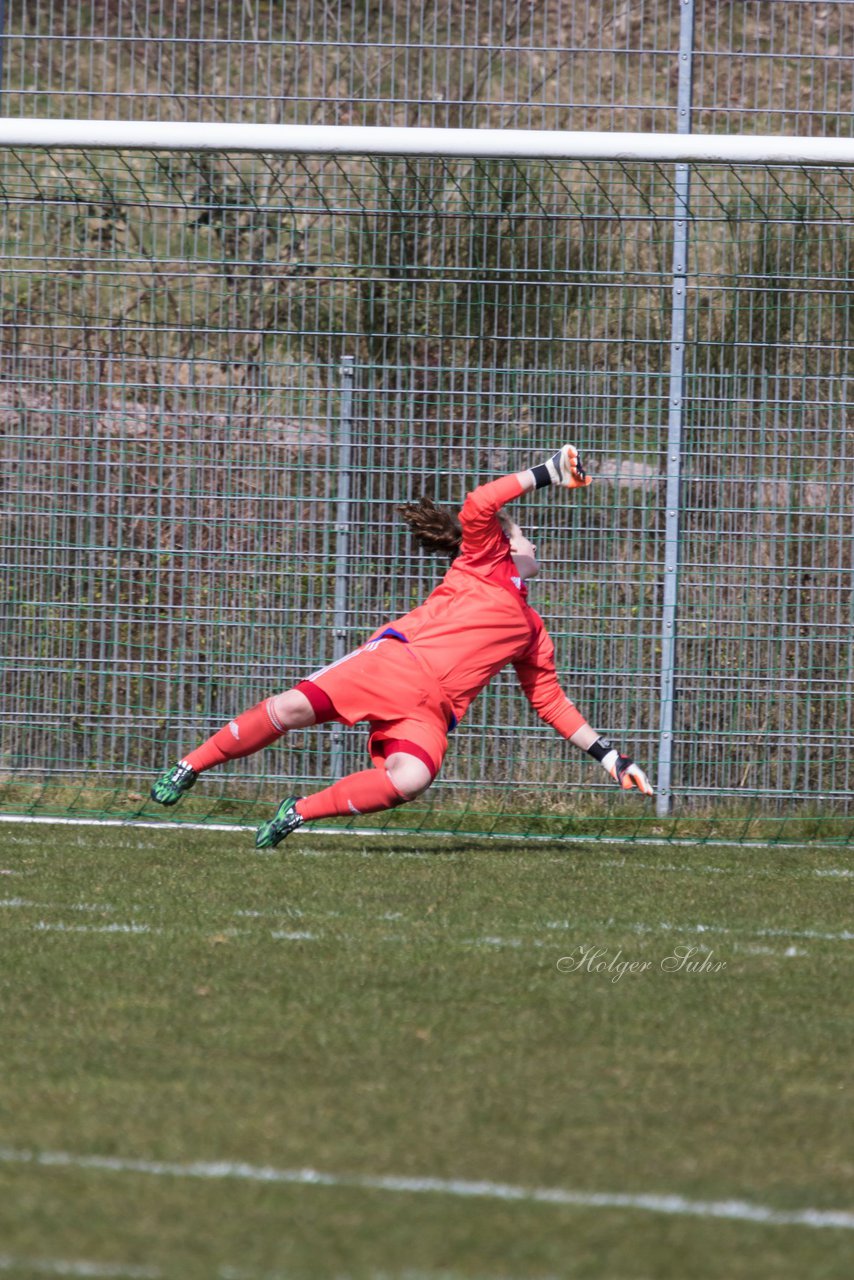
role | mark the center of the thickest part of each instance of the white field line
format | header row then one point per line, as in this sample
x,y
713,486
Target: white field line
x,y
489,940
118,1271
76,1267
45,926
631,864
749,950
140,824
87,1270
57,906
680,1206
305,935
844,935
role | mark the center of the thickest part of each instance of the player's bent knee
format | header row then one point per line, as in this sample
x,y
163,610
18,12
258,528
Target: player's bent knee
x,y
408,775
292,710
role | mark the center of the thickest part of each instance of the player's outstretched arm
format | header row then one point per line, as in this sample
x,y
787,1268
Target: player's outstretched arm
x,y
619,767
536,671
563,468
538,678
481,505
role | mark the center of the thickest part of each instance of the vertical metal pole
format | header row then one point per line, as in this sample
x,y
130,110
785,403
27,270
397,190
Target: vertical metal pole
x,y
675,418
2,47
342,542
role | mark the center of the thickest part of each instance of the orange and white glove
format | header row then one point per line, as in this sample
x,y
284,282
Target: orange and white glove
x,y
621,768
563,468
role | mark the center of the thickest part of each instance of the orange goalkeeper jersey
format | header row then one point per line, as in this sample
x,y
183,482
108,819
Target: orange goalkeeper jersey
x,y
478,619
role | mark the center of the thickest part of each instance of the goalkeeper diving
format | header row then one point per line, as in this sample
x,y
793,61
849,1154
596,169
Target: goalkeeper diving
x,y
414,679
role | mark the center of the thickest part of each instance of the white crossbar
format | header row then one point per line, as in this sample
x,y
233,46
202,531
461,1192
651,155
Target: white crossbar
x,y
532,144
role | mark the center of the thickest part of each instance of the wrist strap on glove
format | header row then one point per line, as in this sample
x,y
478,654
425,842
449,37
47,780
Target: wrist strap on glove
x,y
621,768
562,468
610,759
547,473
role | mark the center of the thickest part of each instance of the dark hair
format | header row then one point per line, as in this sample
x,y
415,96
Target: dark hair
x,y
435,529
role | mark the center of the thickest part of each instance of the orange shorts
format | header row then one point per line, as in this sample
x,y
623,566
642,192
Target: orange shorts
x,y
384,683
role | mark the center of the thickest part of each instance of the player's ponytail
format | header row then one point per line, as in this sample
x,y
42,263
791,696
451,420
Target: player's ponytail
x,y
436,530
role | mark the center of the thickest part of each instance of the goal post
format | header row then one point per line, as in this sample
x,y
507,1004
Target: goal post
x,y
199,321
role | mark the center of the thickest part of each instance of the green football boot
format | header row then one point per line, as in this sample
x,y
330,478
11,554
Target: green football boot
x,y
286,820
172,784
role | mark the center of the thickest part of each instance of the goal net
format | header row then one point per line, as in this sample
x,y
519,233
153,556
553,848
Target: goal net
x,y
224,368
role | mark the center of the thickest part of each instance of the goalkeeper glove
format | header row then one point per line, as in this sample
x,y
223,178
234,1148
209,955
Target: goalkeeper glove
x,y
562,468
621,768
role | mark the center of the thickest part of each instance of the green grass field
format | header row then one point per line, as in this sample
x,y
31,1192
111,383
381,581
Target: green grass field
x,y
188,1027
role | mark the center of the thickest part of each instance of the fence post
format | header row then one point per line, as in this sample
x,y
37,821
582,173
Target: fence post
x,y
675,418
342,541
2,47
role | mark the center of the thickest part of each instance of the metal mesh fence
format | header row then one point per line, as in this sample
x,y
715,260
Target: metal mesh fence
x,y
192,346
760,66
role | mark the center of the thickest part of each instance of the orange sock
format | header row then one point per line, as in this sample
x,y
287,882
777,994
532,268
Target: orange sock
x,y
366,792
248,733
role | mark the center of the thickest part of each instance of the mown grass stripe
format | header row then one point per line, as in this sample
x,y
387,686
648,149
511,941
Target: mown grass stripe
x,y
734,1210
